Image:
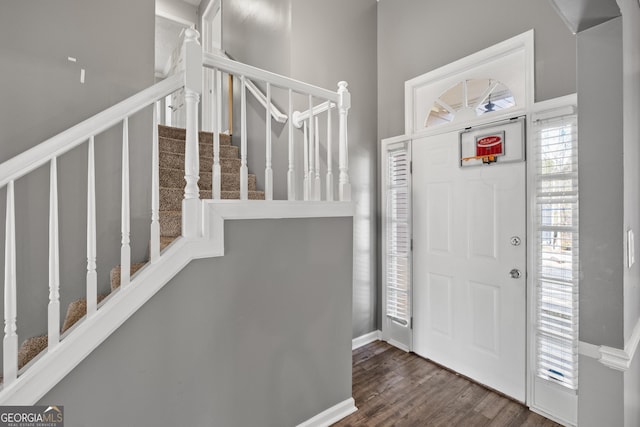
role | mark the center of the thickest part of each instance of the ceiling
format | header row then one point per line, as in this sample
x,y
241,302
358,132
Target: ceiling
x,y
580,15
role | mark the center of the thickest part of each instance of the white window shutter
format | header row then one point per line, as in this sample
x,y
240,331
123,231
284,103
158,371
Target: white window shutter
x,y
557,269
397,233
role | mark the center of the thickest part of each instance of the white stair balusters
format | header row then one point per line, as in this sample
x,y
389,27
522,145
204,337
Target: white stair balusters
x,y
312,152
317,191
244,170
92,276
216,171
125,248
344,103
291,172
329,158
53,309
10,341
268,171
154,250
305,148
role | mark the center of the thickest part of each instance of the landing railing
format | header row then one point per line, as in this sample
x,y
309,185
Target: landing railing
x,y
189,79
317,100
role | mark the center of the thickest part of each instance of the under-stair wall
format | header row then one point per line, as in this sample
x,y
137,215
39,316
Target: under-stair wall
x,y
320,43
259,337
42,95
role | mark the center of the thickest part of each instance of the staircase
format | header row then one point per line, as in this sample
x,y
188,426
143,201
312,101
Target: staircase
x,y
192,172
171,167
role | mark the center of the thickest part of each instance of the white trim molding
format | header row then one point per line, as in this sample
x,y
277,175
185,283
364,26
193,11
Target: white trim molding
x,y
365,339
332,415
612,357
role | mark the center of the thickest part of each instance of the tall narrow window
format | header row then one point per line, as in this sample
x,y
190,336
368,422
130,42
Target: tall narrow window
x,y
397,234
557,247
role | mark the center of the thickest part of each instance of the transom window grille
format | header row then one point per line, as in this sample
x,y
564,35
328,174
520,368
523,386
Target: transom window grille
x,y
398,234
557,249
480,95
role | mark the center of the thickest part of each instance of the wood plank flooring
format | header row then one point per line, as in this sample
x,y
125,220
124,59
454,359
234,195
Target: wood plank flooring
x,y
394,388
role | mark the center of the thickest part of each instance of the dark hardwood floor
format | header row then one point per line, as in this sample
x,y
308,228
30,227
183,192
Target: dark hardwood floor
x,y
394,388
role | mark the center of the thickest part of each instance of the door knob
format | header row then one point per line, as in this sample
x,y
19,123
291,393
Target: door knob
x,y
515,273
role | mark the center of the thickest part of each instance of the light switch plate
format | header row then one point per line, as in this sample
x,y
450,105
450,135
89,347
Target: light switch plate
x,y
631,248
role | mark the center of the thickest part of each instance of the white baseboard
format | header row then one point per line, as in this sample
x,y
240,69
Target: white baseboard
x,y
365,339
332,415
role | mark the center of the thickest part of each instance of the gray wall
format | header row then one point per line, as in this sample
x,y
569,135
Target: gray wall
x,y
631,100
254,338
42,96
601,184
416,36
320,43
600,398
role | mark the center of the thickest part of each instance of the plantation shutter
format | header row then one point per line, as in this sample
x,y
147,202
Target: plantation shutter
x,y
397,250
557,268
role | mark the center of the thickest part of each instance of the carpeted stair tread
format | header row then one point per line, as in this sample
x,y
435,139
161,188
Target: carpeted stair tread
x,y
76,311
176,161
174,178
230,195
30,348
171,198
114,275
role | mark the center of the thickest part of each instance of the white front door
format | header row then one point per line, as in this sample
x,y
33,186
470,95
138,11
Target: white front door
x,y
469,234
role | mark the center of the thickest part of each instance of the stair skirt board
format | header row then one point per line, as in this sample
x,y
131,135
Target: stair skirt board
x,y
332,415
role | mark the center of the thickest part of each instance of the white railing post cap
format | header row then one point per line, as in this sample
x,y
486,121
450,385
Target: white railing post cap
x,y
345,96
191,35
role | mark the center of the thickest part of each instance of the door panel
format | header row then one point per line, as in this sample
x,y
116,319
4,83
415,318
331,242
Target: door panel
x,y
469,314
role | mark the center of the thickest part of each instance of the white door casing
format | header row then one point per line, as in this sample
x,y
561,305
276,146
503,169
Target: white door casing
x,y
469,313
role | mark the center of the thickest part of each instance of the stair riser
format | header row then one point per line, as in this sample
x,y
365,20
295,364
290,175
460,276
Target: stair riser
x,y
174,178
203,137
171,198
170,225
177,146
176,161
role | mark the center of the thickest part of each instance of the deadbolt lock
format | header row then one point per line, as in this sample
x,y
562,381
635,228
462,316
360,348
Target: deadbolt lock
x,y
515,241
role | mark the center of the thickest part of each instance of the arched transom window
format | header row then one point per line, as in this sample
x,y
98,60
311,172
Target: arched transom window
x,y
469,99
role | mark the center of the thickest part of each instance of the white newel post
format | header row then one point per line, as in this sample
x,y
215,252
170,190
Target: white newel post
x,y
125,223
10,342
291,173
191,226
344,103
155,190
54,260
